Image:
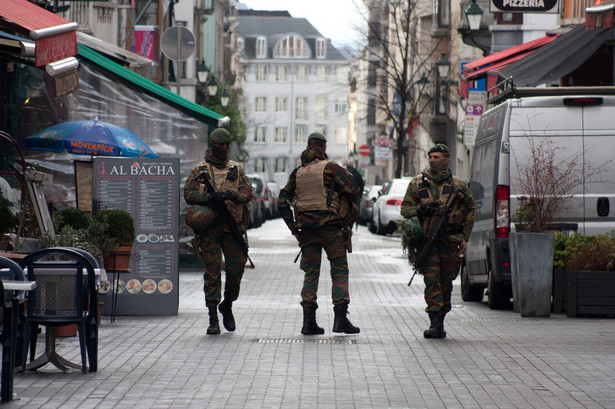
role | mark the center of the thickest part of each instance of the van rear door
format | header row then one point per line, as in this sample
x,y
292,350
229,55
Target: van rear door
x,y
599,142
542,129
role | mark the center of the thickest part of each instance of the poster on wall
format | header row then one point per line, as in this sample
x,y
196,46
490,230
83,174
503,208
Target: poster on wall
x,y
149,190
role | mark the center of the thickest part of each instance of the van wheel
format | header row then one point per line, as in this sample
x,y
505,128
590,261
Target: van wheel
x,y
372,226
499,295
468,291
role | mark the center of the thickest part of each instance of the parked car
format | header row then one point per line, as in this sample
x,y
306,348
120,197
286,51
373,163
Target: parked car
x,y
572,124
366,206
387,207
260,186
257,211
274,193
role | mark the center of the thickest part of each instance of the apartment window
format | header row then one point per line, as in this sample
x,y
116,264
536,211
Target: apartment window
x,y
341,75
301,108
444,13
291,47
261,47
340,135
281,133
341,105
281,104
371,111
280,165
260,104
508,18
321,48
240,43
300,134
321,73
302,73
321,108
259,134
260,165
261,73
281,74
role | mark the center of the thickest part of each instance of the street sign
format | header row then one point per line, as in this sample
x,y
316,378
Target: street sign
x,y
364,150
177,43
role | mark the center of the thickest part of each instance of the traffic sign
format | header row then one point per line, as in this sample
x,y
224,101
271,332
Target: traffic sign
x,y
364,150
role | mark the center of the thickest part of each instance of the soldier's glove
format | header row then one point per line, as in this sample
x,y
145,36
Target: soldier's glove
x,y
230,195
217,197
426,209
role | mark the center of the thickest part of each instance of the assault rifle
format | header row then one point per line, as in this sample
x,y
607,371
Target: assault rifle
x,y
223,211
436,232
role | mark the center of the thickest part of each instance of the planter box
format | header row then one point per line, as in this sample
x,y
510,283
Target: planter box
x,y
583,292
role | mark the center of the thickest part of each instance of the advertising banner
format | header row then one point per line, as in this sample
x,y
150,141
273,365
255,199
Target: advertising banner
x,y
149,190
145,37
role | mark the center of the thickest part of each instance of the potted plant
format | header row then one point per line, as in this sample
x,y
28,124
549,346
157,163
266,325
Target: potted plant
x,y
584,274
7,221
114,238
545,183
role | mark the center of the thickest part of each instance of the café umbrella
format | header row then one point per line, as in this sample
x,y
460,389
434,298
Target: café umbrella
x,y
92,137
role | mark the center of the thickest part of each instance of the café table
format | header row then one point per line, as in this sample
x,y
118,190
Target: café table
x,y
10,329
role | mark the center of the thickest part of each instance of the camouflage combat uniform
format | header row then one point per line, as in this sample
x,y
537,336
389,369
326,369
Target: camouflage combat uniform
x,y
223,175
442,264
314,190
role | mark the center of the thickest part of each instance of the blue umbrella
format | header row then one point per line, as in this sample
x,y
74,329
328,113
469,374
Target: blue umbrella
x,y
90,138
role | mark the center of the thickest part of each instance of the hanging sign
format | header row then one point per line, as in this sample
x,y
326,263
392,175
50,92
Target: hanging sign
x,y
525,6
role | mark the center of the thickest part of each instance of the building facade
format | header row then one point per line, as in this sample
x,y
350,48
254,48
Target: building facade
x,y
294,82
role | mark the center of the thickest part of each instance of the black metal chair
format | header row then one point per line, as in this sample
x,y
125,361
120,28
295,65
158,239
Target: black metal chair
x,y
65,291
12,323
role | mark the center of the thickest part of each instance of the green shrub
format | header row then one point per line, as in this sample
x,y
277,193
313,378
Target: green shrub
x,y
75,218
579,252
7,220
118,227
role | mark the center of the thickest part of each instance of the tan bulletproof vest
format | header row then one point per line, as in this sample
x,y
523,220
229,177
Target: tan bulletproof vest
x,y
310,189
221,184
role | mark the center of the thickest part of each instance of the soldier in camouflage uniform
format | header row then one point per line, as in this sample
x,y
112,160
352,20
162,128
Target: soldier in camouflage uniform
x,y
233,190
315,191
426,197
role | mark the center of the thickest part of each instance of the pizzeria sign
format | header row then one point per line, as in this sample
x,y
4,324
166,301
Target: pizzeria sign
x,y
525,6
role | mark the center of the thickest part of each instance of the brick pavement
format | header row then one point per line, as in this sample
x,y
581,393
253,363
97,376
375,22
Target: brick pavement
x,y
490,359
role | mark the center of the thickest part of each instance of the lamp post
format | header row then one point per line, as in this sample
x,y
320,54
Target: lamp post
x,y
202,72
212,87
473,35
444,66
225,98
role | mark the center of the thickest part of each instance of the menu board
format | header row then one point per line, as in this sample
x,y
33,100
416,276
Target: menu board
x,y
148,189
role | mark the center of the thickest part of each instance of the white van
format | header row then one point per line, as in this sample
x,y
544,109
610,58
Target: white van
x,y
581,127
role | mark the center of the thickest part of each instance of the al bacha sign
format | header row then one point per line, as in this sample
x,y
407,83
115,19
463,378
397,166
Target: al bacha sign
x,y
525,6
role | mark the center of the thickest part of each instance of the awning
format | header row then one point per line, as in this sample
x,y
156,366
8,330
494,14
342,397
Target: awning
x,y
55,37
558,58
490,65
136,81
130,60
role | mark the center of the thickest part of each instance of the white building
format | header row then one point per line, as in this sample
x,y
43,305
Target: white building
x,y
294,83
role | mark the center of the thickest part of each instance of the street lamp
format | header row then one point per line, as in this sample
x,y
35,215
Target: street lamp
x,y
202,72
474,15
225,98
212,87
444,66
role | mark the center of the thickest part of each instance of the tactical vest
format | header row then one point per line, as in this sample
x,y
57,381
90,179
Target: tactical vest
x,y
310,190
225,179
455,218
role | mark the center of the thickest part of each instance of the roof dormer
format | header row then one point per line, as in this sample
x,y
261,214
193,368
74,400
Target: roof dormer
x,y
291,46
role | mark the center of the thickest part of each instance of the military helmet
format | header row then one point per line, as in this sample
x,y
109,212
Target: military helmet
x,y
412,233
200,217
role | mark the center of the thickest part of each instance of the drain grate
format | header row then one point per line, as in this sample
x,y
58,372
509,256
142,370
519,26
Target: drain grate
x,y
305,341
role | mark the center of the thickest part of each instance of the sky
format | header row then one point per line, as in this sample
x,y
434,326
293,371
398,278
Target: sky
x,y
335,19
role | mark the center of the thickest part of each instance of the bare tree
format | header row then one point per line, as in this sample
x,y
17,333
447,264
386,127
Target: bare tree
x,y
401,53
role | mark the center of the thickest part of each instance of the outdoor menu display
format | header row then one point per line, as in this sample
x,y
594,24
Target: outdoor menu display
x,y
149,190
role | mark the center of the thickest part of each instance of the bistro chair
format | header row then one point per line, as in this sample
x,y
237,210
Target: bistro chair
x,y
11,337
65,290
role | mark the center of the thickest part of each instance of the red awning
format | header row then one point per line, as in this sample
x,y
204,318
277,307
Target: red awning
x,y
493,63
55,37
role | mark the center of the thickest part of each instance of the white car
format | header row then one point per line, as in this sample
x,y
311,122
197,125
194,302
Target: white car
x,y
387,207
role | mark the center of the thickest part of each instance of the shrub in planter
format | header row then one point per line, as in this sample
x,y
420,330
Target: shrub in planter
x,y
75,218
117,229
7,220
589,253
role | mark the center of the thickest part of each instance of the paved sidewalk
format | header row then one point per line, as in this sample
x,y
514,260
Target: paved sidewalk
x,y
490,359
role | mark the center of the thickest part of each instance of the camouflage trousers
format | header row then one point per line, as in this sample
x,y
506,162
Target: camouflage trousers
x,y
215,242
312,242
439,270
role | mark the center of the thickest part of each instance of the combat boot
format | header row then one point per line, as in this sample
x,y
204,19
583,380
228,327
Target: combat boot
x,y
310,327
442,333
341,322
214,326
228,320
436,329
